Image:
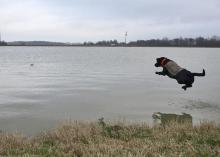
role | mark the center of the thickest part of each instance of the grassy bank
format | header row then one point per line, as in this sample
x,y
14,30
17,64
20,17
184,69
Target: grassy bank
x,y
105,139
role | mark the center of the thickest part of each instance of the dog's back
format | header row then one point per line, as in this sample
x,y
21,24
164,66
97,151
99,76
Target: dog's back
x,y
173,68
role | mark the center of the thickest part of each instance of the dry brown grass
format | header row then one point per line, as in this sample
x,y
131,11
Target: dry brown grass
x,y
99,139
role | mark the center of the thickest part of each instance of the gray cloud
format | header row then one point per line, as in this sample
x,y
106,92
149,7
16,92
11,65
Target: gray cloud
x,y
71,20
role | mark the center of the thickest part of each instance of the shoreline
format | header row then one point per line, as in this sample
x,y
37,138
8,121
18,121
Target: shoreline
x,y
108,46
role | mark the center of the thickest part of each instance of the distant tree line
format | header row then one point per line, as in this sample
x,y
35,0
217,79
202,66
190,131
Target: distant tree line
x,y
3,43
165,42
104,43
178,42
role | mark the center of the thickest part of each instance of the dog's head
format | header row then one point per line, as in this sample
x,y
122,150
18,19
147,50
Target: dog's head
x,y
160,61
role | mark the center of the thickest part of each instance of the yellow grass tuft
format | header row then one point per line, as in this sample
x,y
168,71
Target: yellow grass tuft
x,y
107,140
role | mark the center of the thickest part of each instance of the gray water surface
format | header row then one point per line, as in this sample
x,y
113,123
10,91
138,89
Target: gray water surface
x,y
86,83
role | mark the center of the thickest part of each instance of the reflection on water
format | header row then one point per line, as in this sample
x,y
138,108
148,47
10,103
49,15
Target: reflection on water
x,y
40,86
167,118
193,104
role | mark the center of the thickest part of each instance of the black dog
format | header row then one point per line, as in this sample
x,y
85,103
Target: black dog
x,y
171,69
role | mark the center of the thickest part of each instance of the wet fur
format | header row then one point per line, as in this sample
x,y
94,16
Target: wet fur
x,y
183,77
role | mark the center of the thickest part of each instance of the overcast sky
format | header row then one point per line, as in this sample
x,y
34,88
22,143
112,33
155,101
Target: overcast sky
x,y
93,20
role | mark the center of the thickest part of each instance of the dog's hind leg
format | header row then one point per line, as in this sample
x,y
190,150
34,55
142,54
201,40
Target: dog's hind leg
x,y
186,86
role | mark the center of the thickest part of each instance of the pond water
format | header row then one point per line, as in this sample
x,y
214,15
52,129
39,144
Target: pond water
x,y
42,86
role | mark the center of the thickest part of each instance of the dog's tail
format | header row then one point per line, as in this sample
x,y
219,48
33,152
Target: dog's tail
x,y
199,74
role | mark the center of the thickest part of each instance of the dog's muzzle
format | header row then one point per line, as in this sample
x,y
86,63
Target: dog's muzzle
x,y
156,65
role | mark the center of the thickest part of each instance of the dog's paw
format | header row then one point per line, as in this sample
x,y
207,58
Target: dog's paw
x,y
184,87
159,73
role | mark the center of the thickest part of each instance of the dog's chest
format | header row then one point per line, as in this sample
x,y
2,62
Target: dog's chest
x,y
173,68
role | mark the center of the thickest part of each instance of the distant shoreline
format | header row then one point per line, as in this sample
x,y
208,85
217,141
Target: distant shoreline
x,y
165,42
107,46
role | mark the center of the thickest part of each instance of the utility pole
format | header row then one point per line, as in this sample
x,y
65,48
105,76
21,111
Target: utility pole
x,y
126,34
0,37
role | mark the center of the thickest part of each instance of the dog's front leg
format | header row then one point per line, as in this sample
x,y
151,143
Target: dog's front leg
x,y
160,73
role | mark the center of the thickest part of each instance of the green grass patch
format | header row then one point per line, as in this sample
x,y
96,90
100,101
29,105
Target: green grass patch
x,y
109,139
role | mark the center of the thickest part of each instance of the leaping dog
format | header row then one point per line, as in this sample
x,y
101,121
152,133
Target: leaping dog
x,y
173,70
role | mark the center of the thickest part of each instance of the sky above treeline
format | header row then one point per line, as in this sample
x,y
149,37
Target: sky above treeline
x,y
95,20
